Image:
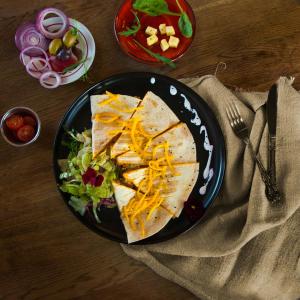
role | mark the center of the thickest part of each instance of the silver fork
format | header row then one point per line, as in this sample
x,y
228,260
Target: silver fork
x,y
240,129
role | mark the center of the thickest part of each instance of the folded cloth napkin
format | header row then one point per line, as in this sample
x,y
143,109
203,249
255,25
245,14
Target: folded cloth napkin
x,y
245,247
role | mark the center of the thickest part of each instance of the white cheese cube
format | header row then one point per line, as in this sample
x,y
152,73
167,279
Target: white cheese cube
x,y
174,41
162,28
151,40
170,30
151,31
164,45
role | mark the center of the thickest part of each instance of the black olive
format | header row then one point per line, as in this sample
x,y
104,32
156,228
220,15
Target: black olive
x,y
64,54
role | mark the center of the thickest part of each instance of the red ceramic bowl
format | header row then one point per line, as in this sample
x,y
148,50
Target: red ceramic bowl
x,y
125,18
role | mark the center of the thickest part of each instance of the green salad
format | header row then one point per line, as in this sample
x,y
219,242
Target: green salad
x,y
87,180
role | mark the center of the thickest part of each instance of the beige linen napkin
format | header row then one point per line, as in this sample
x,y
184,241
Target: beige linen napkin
x,y
245,247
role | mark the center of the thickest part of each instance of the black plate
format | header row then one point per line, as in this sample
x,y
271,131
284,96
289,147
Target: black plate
x,y
185,104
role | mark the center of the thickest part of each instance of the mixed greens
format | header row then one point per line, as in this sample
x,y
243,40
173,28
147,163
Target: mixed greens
x,y
88,180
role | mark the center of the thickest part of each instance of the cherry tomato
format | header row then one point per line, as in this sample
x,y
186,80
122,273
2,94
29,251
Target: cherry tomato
x,y
25,133
28,120
14,122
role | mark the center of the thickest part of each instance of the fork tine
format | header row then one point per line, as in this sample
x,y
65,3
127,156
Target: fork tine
x,y
230,118
235,110
228,115
230,112
239,113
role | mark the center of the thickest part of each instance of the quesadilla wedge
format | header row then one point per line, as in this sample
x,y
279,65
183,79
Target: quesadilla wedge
x,y
180,185
155,116
158,219
108,112
123,194
181,146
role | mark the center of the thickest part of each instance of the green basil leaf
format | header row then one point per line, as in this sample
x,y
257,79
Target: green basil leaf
x,y
152,7
185,25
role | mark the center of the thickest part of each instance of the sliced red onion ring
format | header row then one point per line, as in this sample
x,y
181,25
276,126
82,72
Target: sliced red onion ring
x,y
25,55
37,66
27,35
49,34
50,80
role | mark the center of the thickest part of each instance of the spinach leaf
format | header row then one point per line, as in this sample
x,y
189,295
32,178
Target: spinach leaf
x,y
152,7
185,25
159,57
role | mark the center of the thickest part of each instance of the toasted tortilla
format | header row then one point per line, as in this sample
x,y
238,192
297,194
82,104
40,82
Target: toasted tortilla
x,y
181,146
155,116
101,131
180,186
123,194
157,221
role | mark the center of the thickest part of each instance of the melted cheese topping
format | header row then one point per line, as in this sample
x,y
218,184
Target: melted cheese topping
x,y
152,189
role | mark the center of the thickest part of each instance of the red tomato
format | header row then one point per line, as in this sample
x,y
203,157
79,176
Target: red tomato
x,y
60,65
25,133
14,122
28,120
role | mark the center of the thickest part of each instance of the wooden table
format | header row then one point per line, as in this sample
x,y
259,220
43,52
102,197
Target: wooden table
x,y
45,252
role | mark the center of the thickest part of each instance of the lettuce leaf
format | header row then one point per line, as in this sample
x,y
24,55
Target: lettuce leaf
x,y
78,204
79,160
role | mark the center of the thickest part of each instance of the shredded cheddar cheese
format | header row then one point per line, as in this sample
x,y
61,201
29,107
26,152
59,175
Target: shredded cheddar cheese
x,y
111,98
106,117
153,189
114,102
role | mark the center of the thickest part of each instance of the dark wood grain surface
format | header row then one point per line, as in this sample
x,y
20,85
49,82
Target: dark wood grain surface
x,y
45,253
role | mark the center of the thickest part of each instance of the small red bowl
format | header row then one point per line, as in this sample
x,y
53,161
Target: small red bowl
x,y
125,18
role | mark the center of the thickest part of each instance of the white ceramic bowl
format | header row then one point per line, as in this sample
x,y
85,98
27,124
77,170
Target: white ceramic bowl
x,y
86,44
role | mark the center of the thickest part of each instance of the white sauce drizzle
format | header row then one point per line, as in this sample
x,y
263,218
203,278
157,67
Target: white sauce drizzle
x,y
187,105
208,173
173,90
203,189
152,80
196,120
208,147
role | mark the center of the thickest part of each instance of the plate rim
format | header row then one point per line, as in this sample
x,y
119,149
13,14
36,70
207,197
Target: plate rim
x,y
222,148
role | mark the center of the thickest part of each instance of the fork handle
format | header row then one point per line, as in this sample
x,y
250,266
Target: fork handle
x,y
272,191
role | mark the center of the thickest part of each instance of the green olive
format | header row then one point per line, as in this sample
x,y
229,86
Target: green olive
x,y
70,38
54,46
